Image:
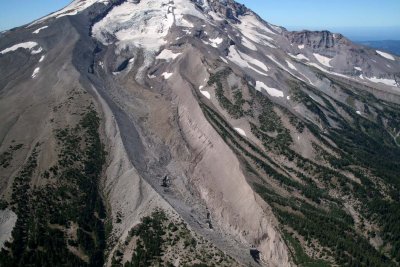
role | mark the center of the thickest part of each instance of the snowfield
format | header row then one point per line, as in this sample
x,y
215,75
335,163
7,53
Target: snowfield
x,y
247,43
389,82
26,45
184,7
254,30
215,16
35,73
206,94
243,60
167,75
168,55
240,131
288,71
216,42
144,24
299,57
38,30
327,71
323,60
37,51
386,55
181,22
224,60
271,91
291,65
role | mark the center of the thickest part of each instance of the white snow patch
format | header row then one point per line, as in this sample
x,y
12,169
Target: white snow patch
x,y
244,61
271,91
327,71
167,75
41,58
216,41
299,57
269,44
184,23
168,55
323,60
247,43
181,8
37,51
276,28
389,82
35,73
255,30
223,59
358,112
240,131
313,98
291,65
41,28
26,45
206,94
288,97
68,13
358,68
385,55
287,70
215,16
301,46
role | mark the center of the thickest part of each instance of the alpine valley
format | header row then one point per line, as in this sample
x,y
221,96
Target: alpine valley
x,y
193,133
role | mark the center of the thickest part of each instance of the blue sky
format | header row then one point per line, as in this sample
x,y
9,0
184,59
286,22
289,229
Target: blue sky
x,y
363,19
18,12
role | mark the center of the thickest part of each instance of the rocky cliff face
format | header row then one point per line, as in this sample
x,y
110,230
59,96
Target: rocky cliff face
x,y
202,127
317,40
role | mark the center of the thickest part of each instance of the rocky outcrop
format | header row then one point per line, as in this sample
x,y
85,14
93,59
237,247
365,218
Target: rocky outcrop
x,y
7,222
317,39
